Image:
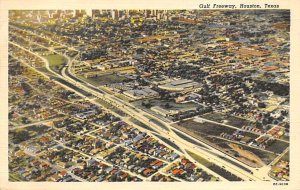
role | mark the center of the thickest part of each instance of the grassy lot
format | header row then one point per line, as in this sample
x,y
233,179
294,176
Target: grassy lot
x,y
104,79
173,105
220,142
40,129
200,159
56,62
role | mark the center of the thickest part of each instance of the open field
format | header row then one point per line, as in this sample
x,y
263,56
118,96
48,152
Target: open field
x,y
172,104
56,62
247,155
19,135
267,157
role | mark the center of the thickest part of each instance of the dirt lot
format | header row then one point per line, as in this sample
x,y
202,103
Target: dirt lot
x,y
252,159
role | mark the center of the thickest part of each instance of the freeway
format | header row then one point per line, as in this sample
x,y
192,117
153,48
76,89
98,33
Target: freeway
x,y
67,76
143,116
130,110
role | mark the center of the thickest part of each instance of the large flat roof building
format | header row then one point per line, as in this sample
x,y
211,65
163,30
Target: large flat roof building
x,y
141,93
180,85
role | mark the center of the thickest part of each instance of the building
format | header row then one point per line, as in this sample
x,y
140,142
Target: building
x,y
180,85
141,93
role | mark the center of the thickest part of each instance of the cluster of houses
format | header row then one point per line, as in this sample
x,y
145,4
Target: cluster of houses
x,y
89,145
281,171
188,171
27,168
135,162
96,171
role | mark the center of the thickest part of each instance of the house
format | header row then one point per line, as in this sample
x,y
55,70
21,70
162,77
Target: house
x,y
177,171
61,164
63,173
55,177
147,172
174,156
184,161
108,170
141,170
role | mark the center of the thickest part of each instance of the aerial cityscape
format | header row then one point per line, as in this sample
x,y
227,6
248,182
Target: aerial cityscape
x,y
149,95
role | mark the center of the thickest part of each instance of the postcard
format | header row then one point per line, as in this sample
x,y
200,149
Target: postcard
x,y
151,95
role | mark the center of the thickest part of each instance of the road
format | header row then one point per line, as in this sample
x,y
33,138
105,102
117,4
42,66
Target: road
x,y
35,123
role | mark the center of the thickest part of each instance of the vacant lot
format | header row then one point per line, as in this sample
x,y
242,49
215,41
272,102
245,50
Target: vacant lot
x,y
205,128
229,120
247,156
267,157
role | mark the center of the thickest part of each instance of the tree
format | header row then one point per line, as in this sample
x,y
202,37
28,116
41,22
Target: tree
x,y
167,105
261,105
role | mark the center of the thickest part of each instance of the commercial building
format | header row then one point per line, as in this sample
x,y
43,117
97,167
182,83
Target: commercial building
x,y
180,85
141,93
